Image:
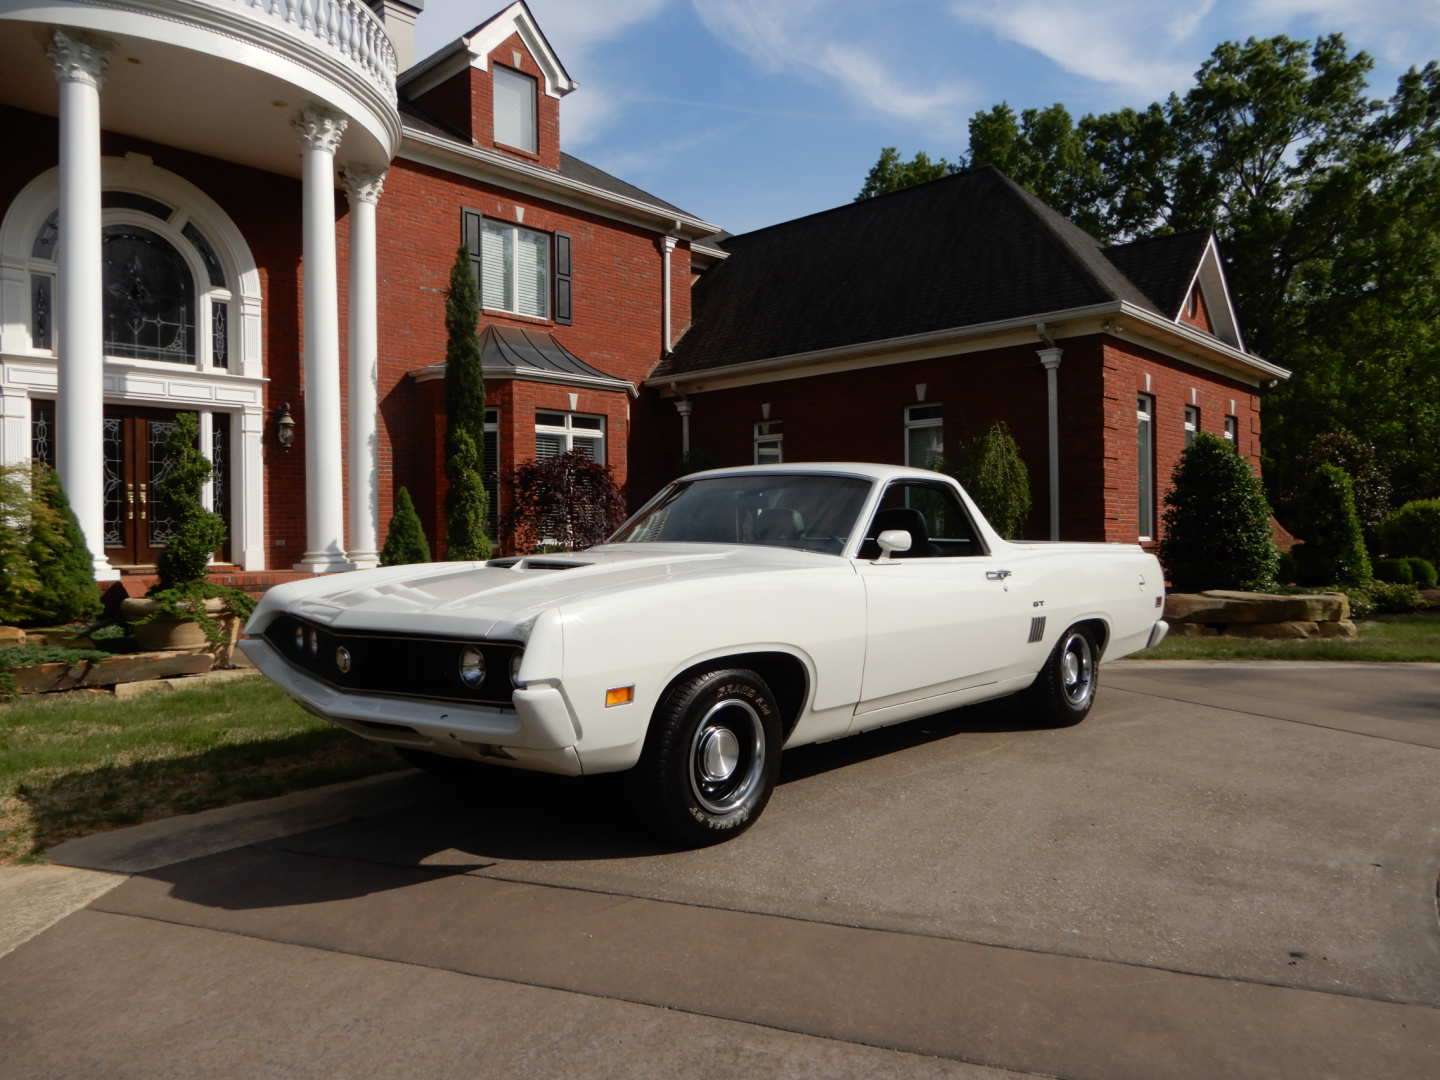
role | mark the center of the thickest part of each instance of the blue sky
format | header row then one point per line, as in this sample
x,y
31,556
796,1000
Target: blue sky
x,y
749,112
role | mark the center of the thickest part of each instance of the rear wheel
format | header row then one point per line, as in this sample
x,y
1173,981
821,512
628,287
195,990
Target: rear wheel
x,y
711,758
1065,688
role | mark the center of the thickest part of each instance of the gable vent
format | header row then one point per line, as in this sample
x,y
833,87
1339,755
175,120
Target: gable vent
x,y
1037,628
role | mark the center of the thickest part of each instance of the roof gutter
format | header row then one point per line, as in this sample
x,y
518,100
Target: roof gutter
x,y
1051,322
547,180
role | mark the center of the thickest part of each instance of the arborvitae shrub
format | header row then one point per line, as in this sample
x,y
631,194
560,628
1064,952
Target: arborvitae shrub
x,y
1358,460
198,532
405,542
994,473
58,557
1334,544
1217,522
1394,571
467,505
1423,572
1414,529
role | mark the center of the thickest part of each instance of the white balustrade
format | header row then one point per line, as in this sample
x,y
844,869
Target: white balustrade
x,y
346,27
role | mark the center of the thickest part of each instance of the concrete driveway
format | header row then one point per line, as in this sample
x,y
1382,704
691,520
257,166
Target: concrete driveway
x,y
1227,870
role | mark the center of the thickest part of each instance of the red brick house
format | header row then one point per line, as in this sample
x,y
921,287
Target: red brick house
x,y
163,253
891,329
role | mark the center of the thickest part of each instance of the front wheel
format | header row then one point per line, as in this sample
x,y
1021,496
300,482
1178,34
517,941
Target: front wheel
x,y
1065,688
711,758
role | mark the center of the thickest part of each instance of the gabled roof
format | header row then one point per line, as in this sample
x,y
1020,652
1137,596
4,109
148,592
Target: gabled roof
x,y
1163,266
473,47
966,249
510,352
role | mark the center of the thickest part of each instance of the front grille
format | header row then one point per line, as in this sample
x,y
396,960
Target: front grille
x,y
382,663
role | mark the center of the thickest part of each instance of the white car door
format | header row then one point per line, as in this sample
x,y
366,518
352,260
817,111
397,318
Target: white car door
x,y
945,615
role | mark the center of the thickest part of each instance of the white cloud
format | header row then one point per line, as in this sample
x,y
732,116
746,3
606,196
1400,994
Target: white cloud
x,y
798,36
1134,45
1403,32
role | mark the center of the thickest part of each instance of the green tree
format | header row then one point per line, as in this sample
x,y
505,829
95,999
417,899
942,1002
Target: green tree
x,y
18,582
405,539
1327,207
890,173
60,556
1334,548
185,558
467,505
993,472
1217,522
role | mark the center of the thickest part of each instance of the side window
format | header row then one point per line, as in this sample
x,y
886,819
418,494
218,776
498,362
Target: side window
x,y
934,517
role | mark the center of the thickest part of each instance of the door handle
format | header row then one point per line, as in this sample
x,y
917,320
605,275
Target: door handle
x,y
996,575
144,505
130,498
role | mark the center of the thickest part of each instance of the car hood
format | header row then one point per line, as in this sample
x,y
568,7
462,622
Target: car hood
x,y
501,598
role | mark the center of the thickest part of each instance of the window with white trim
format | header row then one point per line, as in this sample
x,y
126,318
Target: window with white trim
x,y
492,466
769,443
166,294
1145,464
559,432
515,269
1192,424
924,435
1232,431
514,101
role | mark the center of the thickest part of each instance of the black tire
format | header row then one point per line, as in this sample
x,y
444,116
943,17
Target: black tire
x,y
711,758
1065,688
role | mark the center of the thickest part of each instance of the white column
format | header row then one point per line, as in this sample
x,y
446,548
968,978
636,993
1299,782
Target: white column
x,y
667,245
363,186
320,131
1050,358
248,483
80,406
684,407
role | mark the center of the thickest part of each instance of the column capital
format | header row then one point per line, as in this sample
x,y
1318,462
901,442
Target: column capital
x,y
362,183
319,127
78,59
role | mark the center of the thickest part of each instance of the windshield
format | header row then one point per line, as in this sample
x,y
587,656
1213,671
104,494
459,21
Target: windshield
x,y
811,513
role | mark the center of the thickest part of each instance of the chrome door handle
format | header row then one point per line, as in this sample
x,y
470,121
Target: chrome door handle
x,y
996,575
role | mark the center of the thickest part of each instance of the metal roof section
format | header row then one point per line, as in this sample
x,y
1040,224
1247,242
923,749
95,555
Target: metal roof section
x,y
509,352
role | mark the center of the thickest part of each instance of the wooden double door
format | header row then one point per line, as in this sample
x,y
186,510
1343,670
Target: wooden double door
x,y
136,527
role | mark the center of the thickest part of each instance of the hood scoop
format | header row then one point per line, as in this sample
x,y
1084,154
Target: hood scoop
x,y
536,562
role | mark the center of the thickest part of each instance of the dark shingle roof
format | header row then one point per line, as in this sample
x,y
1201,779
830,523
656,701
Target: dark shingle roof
x,y
509,347
1163,266
966,249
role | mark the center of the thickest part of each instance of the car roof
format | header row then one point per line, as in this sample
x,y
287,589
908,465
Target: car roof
x,y
868,470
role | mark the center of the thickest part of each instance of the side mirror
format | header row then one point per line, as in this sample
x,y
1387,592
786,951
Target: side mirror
x,y
893,540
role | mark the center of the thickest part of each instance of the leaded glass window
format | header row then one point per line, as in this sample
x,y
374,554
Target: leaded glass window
x,y
149,296
161,528
42,432
113,429
47,238
42,311
219,333
213,269
220,466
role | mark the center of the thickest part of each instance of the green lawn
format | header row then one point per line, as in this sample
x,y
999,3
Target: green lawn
x,y
73,764
1385,637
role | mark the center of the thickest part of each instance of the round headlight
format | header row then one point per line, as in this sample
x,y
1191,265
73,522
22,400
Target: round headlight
x,y
515,658
342,660
299,639
472,666
313,640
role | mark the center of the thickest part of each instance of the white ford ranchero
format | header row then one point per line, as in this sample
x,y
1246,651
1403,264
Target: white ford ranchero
x,y
740,611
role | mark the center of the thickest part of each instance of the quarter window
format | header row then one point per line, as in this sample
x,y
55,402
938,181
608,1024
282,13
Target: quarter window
x,y
515,269
558,432
1145,464
514,94
932,514
924,435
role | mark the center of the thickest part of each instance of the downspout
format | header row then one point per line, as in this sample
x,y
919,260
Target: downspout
x,y
1050,360
683,407
667,245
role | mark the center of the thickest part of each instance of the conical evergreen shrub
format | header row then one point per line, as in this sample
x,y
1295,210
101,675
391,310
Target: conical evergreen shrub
x,y
198,531
467,504
994,474
58,557
1217,522
405,541
1334,549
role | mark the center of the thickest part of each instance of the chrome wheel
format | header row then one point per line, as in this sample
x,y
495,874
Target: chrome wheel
x,y
1077,669
727,756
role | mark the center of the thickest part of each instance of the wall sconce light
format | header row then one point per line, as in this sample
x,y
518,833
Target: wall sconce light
x,y
285,427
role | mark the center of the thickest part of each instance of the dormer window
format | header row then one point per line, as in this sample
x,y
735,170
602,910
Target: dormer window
x,y
514,95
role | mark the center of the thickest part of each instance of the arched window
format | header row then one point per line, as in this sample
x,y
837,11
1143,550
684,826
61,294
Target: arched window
x,y
165,292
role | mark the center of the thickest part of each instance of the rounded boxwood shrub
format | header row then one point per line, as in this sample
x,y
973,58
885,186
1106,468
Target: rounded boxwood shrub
x,y
1334,549
1414,529
1217,522
1423,573
1394,571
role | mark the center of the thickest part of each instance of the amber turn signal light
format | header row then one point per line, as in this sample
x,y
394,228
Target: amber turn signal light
x,y
619,695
